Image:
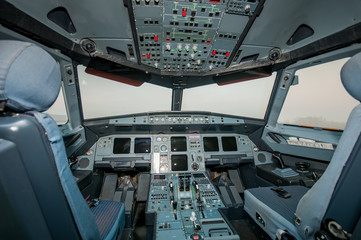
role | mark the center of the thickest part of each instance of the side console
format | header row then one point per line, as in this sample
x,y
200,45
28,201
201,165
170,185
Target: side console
x,y
186,205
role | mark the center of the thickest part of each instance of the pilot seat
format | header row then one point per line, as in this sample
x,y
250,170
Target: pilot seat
x,y
39,198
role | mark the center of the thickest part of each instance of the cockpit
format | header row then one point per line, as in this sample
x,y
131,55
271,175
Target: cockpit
x,y
180,119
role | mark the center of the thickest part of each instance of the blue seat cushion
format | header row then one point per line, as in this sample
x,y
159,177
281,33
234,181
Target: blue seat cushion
x,y
277,212
110,218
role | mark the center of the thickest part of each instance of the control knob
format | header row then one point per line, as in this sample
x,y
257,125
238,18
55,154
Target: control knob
x,y
195,166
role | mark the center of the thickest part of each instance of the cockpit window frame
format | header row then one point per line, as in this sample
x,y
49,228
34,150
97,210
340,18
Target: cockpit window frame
x,y
282,131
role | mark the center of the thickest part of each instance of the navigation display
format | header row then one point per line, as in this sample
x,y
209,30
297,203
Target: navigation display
x,y
210,144
229,144
121,146
179,163
178,144
142,145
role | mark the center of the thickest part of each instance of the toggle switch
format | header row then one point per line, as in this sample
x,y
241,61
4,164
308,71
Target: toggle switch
x,y
156,38
184,12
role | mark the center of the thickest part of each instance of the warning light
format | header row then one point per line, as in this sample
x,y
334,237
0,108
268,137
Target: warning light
x,y
184,12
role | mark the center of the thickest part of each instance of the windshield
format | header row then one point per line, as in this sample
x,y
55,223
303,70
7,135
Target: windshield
x,y
319,99
104,98
247,99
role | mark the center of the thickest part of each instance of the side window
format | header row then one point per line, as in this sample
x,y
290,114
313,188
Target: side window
x,y
319,99
58,110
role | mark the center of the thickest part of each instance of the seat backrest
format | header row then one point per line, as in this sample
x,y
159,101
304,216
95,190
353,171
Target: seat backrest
x,y
314,204
30,186
30,81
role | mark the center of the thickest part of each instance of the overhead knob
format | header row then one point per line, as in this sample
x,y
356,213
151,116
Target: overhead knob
x,y
184,12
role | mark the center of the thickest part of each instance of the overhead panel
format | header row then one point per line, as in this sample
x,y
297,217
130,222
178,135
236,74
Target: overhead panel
x,y
193,35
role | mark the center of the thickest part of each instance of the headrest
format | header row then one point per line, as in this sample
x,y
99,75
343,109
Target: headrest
x,y
29,77
351,76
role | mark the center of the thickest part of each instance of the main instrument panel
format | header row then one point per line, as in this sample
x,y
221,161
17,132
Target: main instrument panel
x,y
164,153
182,201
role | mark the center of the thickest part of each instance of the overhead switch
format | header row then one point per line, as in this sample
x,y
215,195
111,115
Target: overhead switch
x,y
156,38
184,12
227,54
214,52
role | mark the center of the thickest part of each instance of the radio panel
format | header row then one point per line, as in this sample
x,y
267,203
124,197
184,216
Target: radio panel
x,y
187,206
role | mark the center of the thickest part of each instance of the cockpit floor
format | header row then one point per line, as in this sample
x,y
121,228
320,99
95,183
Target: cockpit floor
x,y
246,230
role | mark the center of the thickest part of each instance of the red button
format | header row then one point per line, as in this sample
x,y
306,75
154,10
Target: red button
x,y
156,38
214,52
195,237
148,55
227,54
184,12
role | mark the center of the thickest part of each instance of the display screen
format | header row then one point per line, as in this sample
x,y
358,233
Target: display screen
x,y
229,144
179,163
210,144
142,145
178,144
121,145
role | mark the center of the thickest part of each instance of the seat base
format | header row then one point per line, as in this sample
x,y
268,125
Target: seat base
x,y
272,212
110,218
